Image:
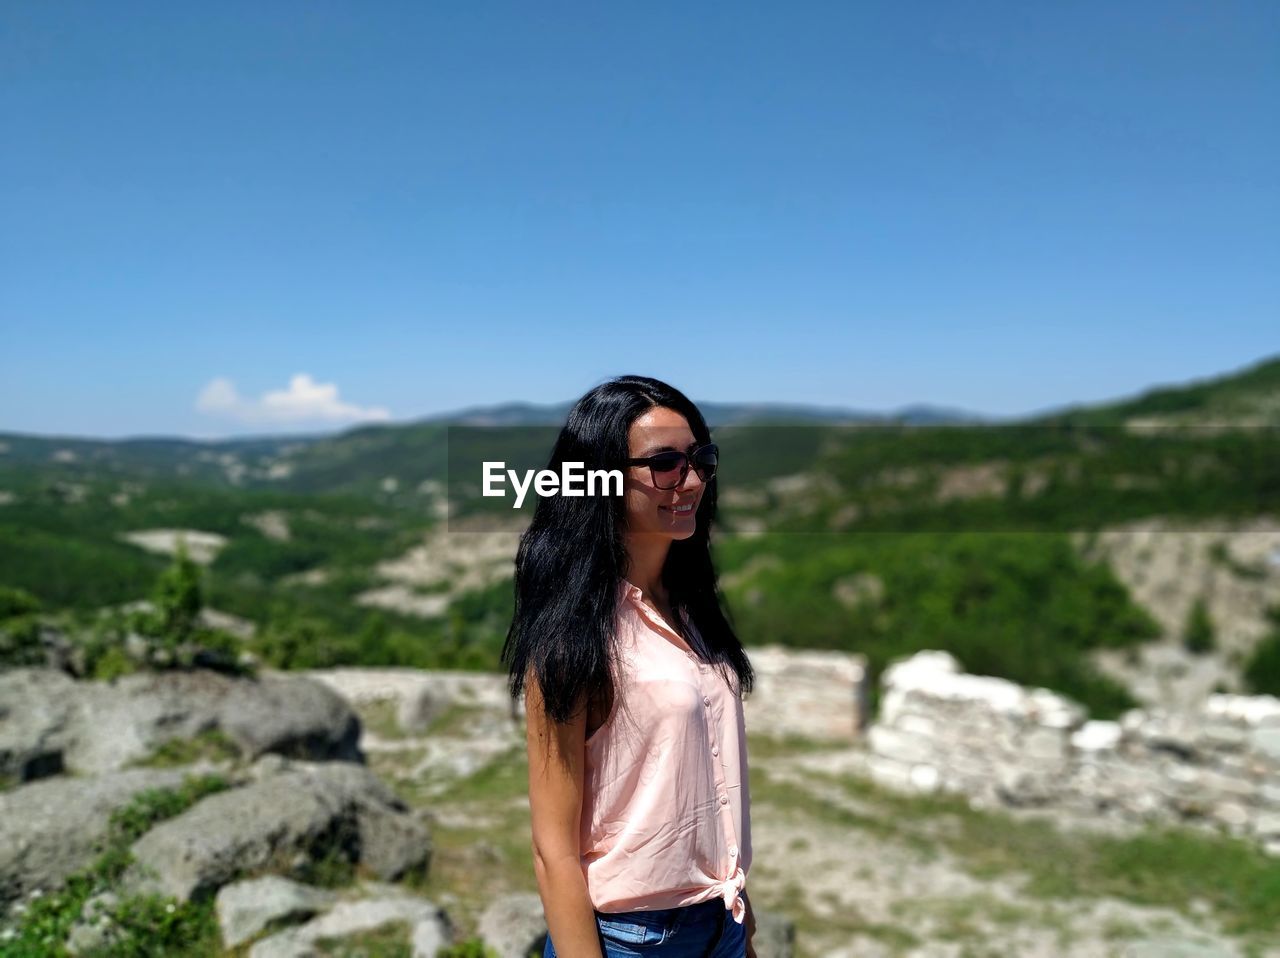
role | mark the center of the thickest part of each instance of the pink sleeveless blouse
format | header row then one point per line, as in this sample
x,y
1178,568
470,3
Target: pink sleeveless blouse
x,y
666,813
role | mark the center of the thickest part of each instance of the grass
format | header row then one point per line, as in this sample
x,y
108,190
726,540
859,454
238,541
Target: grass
x,y
454,720
767,747
147,926
500,781
473,863
796,903
387,941
212,744
381,717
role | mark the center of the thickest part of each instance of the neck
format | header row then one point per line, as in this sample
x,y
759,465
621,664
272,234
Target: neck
x,y
646,555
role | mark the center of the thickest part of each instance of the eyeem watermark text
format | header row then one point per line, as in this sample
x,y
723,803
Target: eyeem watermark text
x,y
548,483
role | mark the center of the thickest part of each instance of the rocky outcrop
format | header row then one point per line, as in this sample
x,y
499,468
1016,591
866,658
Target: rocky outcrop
x,y
775,935
52,828
514,925
301,812
50,723
246,908
428,926
1002,744
38,710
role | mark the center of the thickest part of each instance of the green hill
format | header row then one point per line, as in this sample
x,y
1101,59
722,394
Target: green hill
x,y
929,502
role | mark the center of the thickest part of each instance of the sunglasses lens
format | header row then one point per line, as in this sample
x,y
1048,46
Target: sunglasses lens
x,y
705,462
666,470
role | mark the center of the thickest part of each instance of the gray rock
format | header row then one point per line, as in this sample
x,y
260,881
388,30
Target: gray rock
x,y
391,843
775,935
51,828
1174,734
293,716
247,907
1267,825
274,824
36,715
1223,735
127,719
1097,738
1045,745
95,931
902,746
889,773
421,706
514,924
1266,742
49,721
429,927
1021,787
1231,814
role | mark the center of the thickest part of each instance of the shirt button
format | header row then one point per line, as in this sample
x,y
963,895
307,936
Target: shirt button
x,y
715,749
706,700
733,849
724,799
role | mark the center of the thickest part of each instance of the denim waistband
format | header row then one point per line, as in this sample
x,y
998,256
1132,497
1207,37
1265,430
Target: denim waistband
x,y
711,908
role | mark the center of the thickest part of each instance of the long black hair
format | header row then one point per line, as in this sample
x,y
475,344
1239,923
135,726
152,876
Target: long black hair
x,y
572,559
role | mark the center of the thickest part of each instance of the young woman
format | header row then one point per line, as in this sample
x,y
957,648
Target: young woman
x,y
633,682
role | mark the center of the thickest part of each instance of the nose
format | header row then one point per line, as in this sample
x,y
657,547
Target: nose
x,y
691,481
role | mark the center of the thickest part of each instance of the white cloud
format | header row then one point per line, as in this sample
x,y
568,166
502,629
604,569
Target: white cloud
x,y
304,401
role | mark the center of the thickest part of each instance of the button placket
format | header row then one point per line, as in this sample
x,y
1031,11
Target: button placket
x,y
722,788
727,824
708,688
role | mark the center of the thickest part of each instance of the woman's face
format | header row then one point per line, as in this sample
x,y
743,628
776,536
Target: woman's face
x,y
649,510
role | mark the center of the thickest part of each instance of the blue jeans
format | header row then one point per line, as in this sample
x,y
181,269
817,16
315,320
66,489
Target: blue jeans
x,y
705,930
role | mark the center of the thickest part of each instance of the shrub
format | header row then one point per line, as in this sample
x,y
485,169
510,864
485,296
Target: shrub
x,y
471,948
20,642
1198,636
19,629
1262,672
16,602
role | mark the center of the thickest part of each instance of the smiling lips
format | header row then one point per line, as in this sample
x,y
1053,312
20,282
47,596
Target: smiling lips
x,y
684,509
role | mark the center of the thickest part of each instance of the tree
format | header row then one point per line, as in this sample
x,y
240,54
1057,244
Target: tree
x,y
178,597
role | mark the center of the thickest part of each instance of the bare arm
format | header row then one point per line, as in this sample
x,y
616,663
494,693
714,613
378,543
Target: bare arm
x,y
556,757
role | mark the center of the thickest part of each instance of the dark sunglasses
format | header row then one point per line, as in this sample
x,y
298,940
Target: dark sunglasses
x,y
669,469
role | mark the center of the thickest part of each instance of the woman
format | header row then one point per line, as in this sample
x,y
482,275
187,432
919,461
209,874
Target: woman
x,y
633,682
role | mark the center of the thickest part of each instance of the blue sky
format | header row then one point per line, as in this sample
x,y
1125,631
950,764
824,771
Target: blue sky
x,y
221,219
